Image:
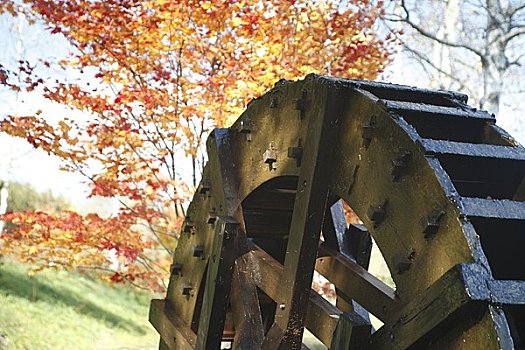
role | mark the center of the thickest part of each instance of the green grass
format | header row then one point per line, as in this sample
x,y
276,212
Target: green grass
x,y
64,310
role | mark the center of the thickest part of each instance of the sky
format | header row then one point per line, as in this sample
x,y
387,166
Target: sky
x,y
20,162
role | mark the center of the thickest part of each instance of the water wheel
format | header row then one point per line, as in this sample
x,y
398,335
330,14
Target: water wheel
x,y
438,186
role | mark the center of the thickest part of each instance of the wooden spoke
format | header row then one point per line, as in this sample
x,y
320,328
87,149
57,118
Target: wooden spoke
x,y
438,186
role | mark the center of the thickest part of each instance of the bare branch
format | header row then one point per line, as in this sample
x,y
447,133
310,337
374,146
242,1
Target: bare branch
x,y
431,36
512,35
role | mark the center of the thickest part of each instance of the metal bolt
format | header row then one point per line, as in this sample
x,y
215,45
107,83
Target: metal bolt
x,y
176,269
400,165
432,223
296,153
282,306
300,104
377,213
198,251
403,266
368,131
246,130
188,228
186,290
212,217
270,156
204,187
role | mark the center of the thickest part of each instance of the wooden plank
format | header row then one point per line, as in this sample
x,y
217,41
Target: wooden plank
x,y
249,330
334,227
218,283
409,93
321,318
308,214
472,149
462,289
493,208
174,333
353,242
357,283
273,339
432,111
507,292
349,336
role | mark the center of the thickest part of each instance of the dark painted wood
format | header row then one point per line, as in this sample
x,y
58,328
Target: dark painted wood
x,y
357,283
310,203
218,283
409,93
273,338
322,317
348,335
175,334
507,292
249,331
493,208
433,111
472,149
462,289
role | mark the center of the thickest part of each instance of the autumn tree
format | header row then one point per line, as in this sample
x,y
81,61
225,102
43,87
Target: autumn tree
x,y
156,77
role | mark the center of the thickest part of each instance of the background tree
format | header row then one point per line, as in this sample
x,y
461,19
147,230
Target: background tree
x,y
153,78
23,197
475,46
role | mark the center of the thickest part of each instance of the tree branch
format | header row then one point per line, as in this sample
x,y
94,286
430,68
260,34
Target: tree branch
x,y
428,35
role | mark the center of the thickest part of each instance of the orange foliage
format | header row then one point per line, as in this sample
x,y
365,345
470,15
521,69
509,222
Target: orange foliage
x,y
157,76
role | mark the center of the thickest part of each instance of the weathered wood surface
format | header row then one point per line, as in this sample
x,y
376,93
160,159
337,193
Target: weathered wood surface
x,y
174,333
432,180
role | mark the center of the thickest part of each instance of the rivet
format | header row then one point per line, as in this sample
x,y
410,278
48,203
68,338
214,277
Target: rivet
x,y
432,223
368,130
296,153
402,263
400,165
270,156
198,251
246,130
300,104
186,290
403,266
188,228
282,306
212,217
176,269
204,187
377,213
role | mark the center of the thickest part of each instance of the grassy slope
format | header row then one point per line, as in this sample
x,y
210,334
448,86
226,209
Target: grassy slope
x,y
62,310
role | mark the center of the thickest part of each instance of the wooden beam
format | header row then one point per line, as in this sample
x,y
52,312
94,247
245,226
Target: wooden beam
x,y
328,105
349,336
321,318
463,288
493,208
357,283
174,333
249,330
218,283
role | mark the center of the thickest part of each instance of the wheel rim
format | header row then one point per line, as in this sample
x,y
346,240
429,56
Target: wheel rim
x,y
409,162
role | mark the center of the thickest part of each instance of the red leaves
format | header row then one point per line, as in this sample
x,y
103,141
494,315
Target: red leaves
x,y
3,76
165,74
56,30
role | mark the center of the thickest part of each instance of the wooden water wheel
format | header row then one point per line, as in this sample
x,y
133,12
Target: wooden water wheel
x,y
438,186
